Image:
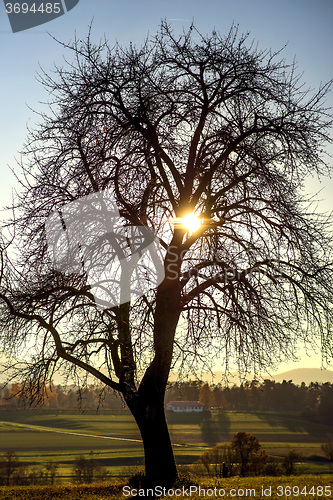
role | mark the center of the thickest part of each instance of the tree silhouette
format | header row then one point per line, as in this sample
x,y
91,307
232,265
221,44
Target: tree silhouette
x,y
289,462
248,453
206,126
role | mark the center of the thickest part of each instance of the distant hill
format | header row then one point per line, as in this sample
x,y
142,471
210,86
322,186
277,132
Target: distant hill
x,y
297,375
307,375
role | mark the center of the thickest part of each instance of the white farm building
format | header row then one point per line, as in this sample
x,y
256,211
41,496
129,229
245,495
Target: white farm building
x,y
184,406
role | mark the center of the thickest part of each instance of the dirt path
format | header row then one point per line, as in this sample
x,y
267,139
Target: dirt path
x,y
71,433
48,429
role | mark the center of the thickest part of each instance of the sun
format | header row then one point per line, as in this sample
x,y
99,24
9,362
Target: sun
x,y
190,222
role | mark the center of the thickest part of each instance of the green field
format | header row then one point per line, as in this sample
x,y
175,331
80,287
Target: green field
x,y
113,439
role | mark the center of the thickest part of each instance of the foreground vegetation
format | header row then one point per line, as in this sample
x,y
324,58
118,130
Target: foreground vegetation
x,y
310,487
68,492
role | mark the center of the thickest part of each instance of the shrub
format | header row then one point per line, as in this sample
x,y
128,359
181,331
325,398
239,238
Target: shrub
x,y
221,457
185,479
87,470
137,480
257,463
273,467
328,450
289,462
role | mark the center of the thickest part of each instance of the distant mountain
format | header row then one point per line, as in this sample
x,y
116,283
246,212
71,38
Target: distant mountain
x,y
297,375
307,375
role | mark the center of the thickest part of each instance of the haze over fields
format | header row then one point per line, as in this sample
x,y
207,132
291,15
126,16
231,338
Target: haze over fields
x,y
297,376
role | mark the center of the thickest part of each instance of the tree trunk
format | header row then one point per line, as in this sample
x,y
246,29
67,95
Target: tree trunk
x,y
147,407
147,404
159,458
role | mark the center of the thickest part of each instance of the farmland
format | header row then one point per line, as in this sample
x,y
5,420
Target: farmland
x,y
112,438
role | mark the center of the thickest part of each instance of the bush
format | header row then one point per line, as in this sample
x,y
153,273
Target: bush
x,y
328,450
35,476
273,467
219,461
185,479
137,480
87,470
289,462
257,463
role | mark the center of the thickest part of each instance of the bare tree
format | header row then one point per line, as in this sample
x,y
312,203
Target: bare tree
x,y
8,467
219,461
206,126
289,462
248,453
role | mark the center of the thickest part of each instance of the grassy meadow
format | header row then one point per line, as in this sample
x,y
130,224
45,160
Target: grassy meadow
x,y
112,438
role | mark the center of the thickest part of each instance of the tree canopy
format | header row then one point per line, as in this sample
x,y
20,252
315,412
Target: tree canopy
x,y
205,141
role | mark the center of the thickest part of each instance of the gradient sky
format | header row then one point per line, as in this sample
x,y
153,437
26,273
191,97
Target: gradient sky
x,y
305,25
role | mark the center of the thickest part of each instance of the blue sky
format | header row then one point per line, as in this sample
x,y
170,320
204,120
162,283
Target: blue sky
x,y
306,25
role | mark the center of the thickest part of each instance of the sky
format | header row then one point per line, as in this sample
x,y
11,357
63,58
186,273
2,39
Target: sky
x,y
306,26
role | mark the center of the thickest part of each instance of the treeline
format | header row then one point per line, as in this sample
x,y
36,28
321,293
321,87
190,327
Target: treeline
x,y
58,397
314,401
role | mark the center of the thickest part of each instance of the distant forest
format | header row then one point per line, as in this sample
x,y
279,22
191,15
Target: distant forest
x,y
313,401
